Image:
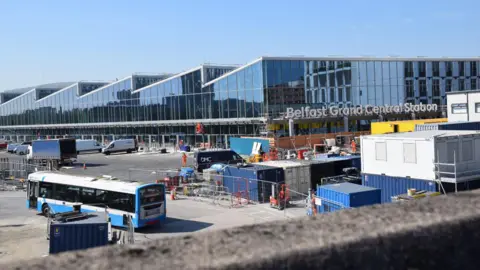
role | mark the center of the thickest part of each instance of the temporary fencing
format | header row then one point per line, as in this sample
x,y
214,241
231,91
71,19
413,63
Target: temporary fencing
x,y
213,194
14,172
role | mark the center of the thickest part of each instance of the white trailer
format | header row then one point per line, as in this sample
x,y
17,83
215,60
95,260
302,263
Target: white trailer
x,y
448,156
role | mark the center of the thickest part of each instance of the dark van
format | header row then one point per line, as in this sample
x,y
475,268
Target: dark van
x,y
204,159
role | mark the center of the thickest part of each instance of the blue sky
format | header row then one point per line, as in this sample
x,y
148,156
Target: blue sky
x,y
51,41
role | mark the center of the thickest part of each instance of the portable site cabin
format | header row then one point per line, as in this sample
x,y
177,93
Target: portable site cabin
x,y
436,160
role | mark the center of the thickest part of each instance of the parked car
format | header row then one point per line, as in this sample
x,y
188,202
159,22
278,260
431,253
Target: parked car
x,y
125,145
11,147
21,149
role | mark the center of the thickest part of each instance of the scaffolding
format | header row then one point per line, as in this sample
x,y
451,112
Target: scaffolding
x,y
455,173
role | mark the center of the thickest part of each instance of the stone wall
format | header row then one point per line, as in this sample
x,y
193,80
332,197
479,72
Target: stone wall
x,y
435,233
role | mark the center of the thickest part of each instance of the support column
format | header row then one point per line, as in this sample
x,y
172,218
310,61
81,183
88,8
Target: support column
x,y
291,128
18,138
24,138
149,140
226,141
103,139
345,123
163,141
92,137
113,137
209,141
83,137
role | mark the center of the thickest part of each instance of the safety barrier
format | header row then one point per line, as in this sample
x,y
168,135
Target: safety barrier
x,y
13,173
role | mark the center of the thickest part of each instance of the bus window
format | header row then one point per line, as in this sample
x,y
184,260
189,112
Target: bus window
x,y
152,194
67,193
88,196
46,190
119,201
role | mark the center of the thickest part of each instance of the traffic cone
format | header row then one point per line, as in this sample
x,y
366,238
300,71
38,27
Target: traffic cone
x,y
84,166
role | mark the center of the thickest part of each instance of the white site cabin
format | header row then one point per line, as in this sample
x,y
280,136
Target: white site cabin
x,y
448,156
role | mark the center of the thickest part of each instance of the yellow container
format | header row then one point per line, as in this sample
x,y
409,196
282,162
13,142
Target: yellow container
x,y
401,126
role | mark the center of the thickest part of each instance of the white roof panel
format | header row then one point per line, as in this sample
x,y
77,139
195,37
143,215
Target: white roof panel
x,y
85,181
424,134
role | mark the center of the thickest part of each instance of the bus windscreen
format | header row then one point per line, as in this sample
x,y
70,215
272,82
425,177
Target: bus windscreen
x,y
152,194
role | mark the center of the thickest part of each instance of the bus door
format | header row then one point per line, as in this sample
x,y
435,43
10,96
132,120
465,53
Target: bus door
x,y
33,192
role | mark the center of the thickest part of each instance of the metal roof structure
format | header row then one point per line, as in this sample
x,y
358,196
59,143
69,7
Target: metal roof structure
x,y
48,85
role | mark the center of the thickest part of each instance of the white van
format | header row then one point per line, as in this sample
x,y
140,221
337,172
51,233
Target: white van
x,y
88,145
126,145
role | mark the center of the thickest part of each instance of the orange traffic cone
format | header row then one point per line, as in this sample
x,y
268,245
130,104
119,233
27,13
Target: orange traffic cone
x,y
172,194
84,166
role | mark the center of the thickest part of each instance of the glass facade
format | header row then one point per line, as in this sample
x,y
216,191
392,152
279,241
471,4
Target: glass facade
x,y
262,89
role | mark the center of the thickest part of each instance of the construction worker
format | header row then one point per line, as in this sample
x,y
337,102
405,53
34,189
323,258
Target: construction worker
x,y
184,160
314,207
353,144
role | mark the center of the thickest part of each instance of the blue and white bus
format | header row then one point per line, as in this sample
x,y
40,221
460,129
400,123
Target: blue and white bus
x,y
144,203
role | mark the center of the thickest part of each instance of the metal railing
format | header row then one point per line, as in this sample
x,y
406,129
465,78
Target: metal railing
x,y
13,173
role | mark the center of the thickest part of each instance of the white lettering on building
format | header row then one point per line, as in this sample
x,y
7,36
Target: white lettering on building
x,y
335,111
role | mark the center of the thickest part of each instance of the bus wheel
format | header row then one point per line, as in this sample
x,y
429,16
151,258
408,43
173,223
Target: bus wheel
x,y
45,210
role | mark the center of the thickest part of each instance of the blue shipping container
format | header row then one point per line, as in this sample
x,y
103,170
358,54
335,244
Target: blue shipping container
x,y
244,146
393,186
80,234
245,181
346,195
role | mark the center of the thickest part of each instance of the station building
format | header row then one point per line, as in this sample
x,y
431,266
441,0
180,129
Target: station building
x,y
247,100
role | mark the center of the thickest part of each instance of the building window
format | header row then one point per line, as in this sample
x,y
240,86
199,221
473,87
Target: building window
x,y
348,94
423,88
317,97
473,83
408,69
340,94
449,68
436,88
323,66
477,107
448,85
461,68
461,84
331,78
308,82
381,151
309,97
473,68
323,80
315,81
409,153
331,65
332,94
339,64
436,69
422,69
459,108
409,88
437,101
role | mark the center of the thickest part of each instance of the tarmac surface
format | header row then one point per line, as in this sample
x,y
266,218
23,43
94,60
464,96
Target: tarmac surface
x,y
23,231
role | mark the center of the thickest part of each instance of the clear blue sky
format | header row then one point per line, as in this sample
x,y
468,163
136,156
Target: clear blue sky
x,y
59,40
